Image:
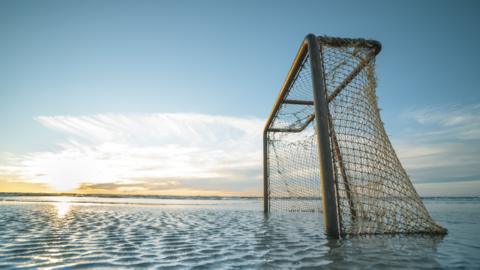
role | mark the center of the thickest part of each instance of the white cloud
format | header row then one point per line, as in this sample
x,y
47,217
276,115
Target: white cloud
x,y
172,149
167,152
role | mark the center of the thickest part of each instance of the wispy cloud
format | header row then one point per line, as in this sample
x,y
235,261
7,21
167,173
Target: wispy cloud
x,y
441,146
148,153
205,154
448,122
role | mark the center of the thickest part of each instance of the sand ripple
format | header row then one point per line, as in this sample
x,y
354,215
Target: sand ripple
x,y
103,236
77,236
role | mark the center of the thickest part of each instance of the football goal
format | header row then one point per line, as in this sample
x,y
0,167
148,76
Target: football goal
x,y
326,149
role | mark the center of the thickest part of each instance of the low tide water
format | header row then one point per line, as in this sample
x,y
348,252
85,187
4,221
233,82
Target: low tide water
x,y
52,232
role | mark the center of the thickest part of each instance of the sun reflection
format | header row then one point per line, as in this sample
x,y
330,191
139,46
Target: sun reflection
x,y
63,207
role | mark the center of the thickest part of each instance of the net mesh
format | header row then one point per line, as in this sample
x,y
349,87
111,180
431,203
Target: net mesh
x,y
374,193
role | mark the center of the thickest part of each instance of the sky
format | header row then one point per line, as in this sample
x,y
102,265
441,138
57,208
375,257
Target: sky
x,y
170,97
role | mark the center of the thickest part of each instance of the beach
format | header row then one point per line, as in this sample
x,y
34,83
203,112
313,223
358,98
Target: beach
x,y
52,232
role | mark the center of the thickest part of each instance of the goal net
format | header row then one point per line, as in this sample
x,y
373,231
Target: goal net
x,y
372,191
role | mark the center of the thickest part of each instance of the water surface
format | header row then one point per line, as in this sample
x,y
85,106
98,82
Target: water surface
x,y
215,233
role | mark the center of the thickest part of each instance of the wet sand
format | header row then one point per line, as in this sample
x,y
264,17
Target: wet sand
x,y
63,235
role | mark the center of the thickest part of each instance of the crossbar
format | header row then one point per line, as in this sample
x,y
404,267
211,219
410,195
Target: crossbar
x,y
297,102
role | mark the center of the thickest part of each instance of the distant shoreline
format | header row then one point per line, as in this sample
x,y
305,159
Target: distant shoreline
x,y
71,194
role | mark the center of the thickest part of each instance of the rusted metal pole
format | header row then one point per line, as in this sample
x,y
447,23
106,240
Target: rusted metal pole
x,y
343,172
266,196
298,102
297,63
329,201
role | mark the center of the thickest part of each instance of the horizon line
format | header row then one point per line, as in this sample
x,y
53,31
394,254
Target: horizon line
x,y
107,195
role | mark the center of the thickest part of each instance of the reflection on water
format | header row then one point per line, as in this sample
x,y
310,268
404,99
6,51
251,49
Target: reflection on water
x,y
288,239
62,207
381,251
66,234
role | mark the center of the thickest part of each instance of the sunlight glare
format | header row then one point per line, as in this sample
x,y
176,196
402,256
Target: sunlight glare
x,y
62,207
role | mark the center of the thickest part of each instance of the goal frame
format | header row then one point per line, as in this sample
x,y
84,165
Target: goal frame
x,y
312,47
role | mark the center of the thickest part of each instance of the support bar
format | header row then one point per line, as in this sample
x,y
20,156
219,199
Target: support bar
x,y
309,119
352,75
343,172
297,102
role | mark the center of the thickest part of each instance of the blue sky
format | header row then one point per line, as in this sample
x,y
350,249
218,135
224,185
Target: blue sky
x,y
102,63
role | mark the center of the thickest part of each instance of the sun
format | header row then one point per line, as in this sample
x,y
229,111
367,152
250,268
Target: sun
x,y
62,174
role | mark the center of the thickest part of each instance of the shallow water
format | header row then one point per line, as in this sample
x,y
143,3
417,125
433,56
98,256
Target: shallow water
x,y
82,233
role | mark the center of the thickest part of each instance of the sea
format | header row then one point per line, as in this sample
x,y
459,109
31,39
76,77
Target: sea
x,y
155,232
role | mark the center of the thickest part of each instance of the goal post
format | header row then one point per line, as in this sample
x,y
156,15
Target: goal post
x,y
329,201
326,150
